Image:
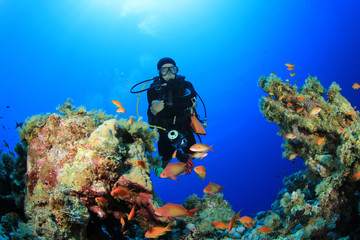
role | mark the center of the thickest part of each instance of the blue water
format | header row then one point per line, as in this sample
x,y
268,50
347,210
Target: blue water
x,y
94,51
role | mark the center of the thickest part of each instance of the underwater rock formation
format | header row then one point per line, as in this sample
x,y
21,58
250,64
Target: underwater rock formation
x,y
322,200
73,160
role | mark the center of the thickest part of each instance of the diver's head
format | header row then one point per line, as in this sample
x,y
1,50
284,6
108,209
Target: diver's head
x,y
167,68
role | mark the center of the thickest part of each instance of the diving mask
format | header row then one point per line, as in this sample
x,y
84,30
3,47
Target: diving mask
x,y
165,70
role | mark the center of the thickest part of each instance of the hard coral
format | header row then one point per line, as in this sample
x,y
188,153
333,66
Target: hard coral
x,y
211,209
329,144
72,160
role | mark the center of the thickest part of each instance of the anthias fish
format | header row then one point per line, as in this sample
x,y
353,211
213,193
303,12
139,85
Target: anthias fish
x,y
171,211
200,171
102,202
247,221
120,193
174,169
198,147
156,232
231,223
199,155
219,225
313,112
120,107
212,189
289,136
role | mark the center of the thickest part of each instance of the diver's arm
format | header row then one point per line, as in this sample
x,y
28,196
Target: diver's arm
x,y
189,99
157,109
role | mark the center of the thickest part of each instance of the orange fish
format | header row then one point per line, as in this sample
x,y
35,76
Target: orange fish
x,y
171,211
300,99
281,97
231,223
292,156
299,110
289,136
321,140
120,107
272,74
345,134
142,164
279,87
347,173
198,147
132,213
289,104
264,230
356,176
174,154
290,68
130,120
212,189
356,86
287,80
156,232
122,222
292,74
174,169
198,155
289,65
313,112
201,171
120,193
247,221
102,202
351,112
219,225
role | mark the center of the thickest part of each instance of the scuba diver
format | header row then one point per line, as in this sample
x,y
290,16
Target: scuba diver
x,y
170,107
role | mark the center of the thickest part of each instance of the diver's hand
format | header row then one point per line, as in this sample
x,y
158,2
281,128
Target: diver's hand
x,y
156,106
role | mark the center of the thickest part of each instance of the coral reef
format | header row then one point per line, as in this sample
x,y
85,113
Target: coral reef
x,y
210,209
72,159
83,176
320,201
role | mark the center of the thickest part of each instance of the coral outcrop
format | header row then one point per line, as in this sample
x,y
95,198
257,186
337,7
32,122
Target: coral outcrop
x,y
78,156
320,201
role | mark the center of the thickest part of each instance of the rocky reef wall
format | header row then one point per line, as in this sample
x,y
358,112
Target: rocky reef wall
x,y
322,128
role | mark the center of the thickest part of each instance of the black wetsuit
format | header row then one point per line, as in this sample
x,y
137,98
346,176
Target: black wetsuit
x,y
177,96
